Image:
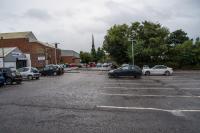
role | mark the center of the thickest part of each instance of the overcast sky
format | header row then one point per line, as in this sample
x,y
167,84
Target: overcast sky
x,y
72,22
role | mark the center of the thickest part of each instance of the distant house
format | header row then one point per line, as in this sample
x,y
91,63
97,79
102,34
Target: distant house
x,y
13,57
40,53
70,57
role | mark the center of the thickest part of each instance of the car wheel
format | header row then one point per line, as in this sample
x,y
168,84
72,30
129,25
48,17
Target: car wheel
x,y
54,73
8,81
30,77
147,73
167,73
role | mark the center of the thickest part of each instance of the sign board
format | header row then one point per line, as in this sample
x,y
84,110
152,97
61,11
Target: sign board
x,y
10,64
41,58
1,62
16,53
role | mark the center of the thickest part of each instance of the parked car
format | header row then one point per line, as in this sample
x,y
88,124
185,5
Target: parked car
x,y
51,70
11,75
105,65
60,69
158,70
99,65
2,79
128,70
29,73
145,67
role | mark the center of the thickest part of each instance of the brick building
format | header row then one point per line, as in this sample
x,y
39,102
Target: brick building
x,y
40,53
70,57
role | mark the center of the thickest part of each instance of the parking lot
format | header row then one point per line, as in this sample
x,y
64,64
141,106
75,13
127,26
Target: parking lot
x,y
90,102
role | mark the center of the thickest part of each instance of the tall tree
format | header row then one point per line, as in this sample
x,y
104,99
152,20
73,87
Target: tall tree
x,y
85,57
177,37
100,54
116,43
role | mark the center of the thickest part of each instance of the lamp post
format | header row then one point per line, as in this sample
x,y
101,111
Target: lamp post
x,y
56,46
132,53
3,56
131,38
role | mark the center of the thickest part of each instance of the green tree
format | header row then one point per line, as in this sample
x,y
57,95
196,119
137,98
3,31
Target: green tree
x,y
177,37
85,57
100,54
185,54
116,43
150,47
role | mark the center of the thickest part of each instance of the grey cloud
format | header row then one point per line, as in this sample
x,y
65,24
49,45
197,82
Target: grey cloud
x,y
37,14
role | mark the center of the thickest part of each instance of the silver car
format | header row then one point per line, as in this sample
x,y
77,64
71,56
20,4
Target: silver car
x,y
29,73
157,70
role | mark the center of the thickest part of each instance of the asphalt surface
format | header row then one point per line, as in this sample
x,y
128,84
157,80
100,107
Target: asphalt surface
x,y
90,102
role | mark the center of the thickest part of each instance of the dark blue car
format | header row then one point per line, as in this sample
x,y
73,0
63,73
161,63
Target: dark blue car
x,y
2,79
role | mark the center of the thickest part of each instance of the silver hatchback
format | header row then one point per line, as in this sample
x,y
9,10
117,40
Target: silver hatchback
x,y
29,73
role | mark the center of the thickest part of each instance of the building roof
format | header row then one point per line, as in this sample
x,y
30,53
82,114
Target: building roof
x,y
70,53
13,35
46,44
29,35
6,51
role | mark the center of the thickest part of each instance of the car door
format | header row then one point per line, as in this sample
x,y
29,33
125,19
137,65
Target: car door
x,y
155,70
24,72
162,70
125,71
133,71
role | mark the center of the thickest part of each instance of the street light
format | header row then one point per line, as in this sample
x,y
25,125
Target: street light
x,y
131,38
3,56
56,46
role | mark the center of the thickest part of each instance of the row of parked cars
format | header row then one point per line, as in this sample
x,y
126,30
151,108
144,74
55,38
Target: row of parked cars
x,y
12,75
130,70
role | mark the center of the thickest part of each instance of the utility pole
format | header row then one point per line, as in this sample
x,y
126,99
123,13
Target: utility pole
x,y
132,36
56,46
3,57
132,52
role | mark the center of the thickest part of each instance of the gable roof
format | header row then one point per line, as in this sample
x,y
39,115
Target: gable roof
x,y
46,44
13,35
6,51
70,53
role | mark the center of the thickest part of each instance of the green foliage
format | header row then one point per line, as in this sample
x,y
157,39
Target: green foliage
x,y
153,44
116,43
85,57
177,37
100,55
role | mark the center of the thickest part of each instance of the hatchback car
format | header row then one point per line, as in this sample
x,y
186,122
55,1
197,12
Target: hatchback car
x,y
11,75
2,79
51,70
158,70
29,73
128,70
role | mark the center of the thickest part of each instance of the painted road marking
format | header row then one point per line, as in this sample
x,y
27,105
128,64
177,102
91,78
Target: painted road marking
x,y
170,96
131,83
147,88
177,112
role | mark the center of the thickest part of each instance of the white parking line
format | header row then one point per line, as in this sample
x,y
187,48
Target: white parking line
x,y
169,96
177,112
148,88
130,83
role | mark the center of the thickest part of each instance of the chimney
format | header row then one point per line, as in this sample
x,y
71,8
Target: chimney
x,y
56,45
